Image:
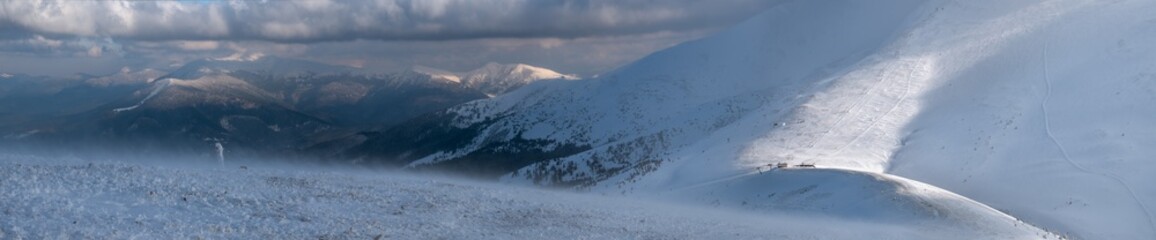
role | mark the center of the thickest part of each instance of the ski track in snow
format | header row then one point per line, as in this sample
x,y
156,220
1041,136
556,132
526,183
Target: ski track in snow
x,y
717,180
1064,150
901,99
811,148
843,117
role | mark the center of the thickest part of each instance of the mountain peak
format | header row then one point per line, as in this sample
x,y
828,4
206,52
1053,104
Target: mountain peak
x,y
520,68
126,76
435,73
493,65
242,57
255,63
495,78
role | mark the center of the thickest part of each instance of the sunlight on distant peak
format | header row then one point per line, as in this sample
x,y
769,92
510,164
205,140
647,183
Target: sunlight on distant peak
x,y
242,57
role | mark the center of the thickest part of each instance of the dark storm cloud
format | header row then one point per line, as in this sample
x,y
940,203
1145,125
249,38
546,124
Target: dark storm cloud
x,y
573,36
326,20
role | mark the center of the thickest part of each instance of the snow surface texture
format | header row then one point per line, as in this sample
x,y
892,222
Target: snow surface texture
x,y
1038,108
69,198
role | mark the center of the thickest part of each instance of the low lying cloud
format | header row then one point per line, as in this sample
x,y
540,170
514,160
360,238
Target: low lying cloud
x,y
39,45
331,20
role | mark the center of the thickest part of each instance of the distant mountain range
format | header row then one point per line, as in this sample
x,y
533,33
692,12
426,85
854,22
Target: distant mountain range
x,y
255,106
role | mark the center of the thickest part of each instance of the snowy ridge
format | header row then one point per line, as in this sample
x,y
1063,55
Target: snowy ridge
x,y
679,103
982,98
69,198
126,77
255,63
495,79
160,86
879,198
211,84
437,73
241,57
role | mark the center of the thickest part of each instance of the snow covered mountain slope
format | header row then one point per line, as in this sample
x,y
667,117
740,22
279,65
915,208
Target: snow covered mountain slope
x,y
36,99
1038,108
266,104
277,66
669,108
68,198
1054,123
259,114
126,76
494,79
852,195
437,73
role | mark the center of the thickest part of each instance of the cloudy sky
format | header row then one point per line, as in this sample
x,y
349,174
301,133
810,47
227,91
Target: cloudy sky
x,y
63,37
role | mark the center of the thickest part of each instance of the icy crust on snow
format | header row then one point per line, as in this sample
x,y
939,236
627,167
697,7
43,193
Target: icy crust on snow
x,y
68,198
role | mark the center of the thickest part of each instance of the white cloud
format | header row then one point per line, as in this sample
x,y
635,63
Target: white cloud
x,y
40,40
95,51
197,45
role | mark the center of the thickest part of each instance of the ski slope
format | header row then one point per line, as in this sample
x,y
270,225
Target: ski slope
x,y
73,198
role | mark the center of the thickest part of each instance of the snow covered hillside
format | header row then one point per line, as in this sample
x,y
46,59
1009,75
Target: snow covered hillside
x,y
1037,108
495,79
70,198
277,66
